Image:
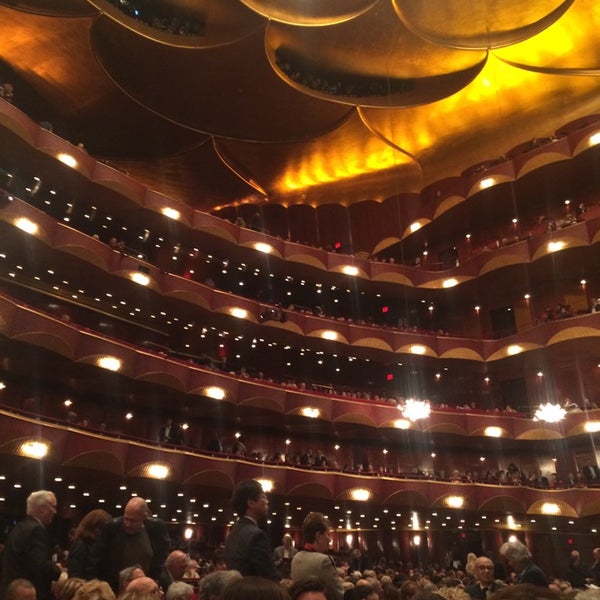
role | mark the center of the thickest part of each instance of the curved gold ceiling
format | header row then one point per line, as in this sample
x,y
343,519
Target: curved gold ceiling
x,y
339,102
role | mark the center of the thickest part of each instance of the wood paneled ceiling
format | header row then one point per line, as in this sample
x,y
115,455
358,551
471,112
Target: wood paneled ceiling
x,y
289,102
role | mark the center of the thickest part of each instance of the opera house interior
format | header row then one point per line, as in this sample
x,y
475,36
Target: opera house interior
x,y
350,248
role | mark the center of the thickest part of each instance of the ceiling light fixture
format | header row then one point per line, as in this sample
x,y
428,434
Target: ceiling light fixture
x,y
34,449
214,392
360,494
414,410
26,225
111,363
550,413
171,213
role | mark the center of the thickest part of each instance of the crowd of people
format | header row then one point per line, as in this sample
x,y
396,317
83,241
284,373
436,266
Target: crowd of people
x,y
131,557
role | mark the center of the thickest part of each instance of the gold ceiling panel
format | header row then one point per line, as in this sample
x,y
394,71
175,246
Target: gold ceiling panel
x,y
571,45
482,24
300,12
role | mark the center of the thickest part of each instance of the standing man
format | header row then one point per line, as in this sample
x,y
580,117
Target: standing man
x,y
282,555
519,559
483,570
133,539
28,552
312,560
596,566
247,547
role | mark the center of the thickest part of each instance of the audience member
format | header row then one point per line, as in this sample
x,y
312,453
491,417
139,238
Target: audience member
x,y
282,555
578,574
255,588
212,585
128,574
133,539
27,552
596,566
20,589
68,588
179,590
84,537
173,570
94,590
312,560
247,548
310,589
519,559
483,571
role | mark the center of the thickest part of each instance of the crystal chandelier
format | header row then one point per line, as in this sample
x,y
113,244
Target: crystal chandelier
x,y
413,410
550,413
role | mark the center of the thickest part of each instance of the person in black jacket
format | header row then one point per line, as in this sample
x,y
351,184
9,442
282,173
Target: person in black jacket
x,y
247,548
133,539
85,535
28,552
485,583
519,559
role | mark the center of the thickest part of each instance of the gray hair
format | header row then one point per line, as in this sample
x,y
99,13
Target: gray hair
x,y
516,552
36,500
179,589
215,583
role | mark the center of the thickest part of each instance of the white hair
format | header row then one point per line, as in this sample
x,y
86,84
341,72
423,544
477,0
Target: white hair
x,y
179,590
36,500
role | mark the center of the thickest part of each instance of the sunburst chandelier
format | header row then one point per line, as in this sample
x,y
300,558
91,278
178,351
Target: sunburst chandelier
x,y
413,410
550,413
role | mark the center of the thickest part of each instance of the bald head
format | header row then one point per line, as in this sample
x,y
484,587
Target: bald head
x,y
136,511
176,564
484,570
143,585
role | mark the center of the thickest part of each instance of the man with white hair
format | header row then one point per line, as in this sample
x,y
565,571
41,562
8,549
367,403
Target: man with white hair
x,y
519,559
28,552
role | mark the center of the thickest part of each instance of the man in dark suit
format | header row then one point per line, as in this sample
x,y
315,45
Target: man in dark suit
x,y
485,584
28,552
133,539
519,559
596,566
247,548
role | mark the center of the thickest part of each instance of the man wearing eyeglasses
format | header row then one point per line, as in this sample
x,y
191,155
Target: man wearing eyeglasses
x,y
247,548
28,552
485,584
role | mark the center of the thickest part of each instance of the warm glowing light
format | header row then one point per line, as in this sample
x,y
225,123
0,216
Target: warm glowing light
x,y
514,349
34,449
26,225
215,392
413,410
402,424
455,501
556,246
592,426
416,540
417,349
415,226
310,412
594,139
67,159
448,283
172,213
157,471
266,484
329,335
493,432
486,183
262,247
360,494
550,508
140,278
111,363
550,413
240,313
350,270
188,533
